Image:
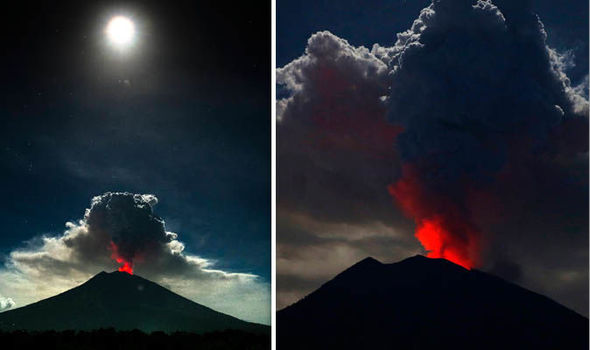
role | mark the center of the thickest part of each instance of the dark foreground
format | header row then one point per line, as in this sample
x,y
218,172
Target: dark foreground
x,y
422,303
112,340
122,301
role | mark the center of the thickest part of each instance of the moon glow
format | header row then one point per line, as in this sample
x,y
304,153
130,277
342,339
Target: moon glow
x,y
120,31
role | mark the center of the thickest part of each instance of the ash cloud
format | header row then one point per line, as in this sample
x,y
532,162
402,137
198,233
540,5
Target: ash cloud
x,y
128,221
488,124
334,145
52,264
484,104
470,81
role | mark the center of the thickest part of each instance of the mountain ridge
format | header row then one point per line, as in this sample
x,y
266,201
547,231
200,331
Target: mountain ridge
x,y
420,303
124,302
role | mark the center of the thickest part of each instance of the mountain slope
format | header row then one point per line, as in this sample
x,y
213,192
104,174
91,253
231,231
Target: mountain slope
x,y
124,302
421,303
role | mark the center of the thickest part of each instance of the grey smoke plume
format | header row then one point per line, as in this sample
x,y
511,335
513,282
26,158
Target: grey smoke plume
x,y
130,223
483,102
334,143
470,80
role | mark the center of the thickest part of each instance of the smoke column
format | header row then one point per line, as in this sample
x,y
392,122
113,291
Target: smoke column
x,y
127,222
476,91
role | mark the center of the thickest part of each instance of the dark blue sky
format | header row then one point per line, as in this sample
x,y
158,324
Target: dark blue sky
x,y
185,117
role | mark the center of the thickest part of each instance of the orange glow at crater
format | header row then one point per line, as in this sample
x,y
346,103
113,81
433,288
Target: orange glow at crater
x,y
441,227
437,241
127,265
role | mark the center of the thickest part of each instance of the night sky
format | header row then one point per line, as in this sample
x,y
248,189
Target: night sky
x,y
184,115
474,121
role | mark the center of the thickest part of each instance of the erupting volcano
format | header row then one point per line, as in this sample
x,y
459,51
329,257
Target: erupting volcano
x,y
441,227
439,242
127,265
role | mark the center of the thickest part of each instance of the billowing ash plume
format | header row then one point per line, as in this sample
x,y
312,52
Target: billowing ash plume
x,y
333,125
136,233
476,89
120,230
123,224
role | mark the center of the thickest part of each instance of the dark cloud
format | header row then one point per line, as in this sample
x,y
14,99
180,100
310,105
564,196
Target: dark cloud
x,y
471,81
485,105
508,270
490,144
130,221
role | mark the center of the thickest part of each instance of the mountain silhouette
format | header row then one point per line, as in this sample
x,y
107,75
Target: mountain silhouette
x,y
124,302
423,303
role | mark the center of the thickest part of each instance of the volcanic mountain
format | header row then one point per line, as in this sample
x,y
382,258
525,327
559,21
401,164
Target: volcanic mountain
x,y
423,303
124,302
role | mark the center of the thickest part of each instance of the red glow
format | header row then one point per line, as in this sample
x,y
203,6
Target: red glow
x,y
127,265
439,242
126,268
358,125
442,229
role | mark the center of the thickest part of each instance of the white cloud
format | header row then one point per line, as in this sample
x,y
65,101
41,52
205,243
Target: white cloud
x,y
6,303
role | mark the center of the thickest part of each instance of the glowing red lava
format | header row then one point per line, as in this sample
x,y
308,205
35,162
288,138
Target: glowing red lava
x,y
127,265
443,230
437,241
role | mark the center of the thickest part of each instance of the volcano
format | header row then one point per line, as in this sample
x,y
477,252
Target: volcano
x,y
424,303
122,301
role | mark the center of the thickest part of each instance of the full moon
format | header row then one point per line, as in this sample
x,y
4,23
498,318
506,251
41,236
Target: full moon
x,y
120,31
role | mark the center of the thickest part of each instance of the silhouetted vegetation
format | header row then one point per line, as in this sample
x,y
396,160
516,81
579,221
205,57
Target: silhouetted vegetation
x,y
112,340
